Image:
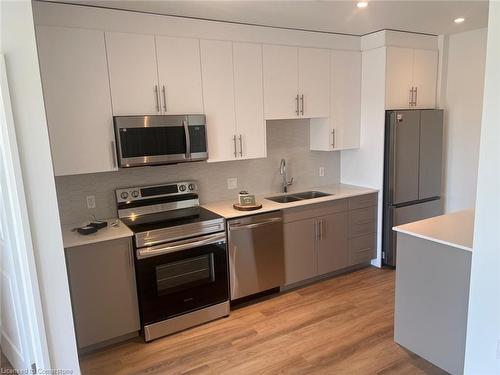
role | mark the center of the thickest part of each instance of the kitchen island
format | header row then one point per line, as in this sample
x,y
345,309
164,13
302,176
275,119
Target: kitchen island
x,y
432,287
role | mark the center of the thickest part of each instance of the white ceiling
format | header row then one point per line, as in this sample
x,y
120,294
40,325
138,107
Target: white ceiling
x,y
433,17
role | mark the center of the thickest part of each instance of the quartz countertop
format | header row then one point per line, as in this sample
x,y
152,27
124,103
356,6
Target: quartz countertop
x,y
455,229
73,238
338,191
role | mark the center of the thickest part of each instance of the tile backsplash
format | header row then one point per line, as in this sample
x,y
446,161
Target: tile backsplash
x,y
285,139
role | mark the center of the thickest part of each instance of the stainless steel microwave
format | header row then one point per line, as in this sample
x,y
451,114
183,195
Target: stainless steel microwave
x,y
155,140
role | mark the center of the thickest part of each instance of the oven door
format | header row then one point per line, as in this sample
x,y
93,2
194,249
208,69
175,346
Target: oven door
x,y
182,276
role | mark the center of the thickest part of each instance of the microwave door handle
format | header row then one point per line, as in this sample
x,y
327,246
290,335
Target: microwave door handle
x,y
174,247
188,139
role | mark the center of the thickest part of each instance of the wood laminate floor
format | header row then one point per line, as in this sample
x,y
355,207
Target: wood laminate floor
x,y
342,325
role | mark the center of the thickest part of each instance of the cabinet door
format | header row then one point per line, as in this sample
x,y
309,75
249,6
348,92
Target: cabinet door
x,y
399,77
249,100
280,82
133,74
103,291
179,75
77,100
425,65
314,82
333,247
300,250
218,98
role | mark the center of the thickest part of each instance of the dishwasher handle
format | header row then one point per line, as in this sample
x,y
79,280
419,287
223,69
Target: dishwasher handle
x,y
255,225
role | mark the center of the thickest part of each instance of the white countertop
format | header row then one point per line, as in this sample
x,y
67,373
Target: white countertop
x,y
73,238
339,191
455,229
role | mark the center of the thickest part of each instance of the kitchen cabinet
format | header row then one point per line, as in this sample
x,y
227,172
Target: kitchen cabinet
x,y
77,99
296,82
330,236
103,291
233,99
179,75
411,78
133,74
154,75
342,130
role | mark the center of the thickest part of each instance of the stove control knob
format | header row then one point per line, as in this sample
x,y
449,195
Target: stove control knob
x,y
191,187
182,187
135,193
124,195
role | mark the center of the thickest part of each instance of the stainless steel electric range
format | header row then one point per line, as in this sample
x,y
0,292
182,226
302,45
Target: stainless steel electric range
x,y
180,257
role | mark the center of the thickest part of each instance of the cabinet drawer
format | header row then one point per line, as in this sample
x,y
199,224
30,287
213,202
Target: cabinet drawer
x,y
315,210
363,201
362,221
362,249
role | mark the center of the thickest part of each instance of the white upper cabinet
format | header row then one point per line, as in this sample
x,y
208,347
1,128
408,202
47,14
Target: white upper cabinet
x,y
249,100
314,82
341,130
281,87
218,99
233,100
411,78
133,74
425,67
77,99
179,75
296,82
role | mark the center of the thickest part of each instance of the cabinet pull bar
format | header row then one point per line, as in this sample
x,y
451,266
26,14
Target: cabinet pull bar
x,y
297,104
241,146
164,99
333,138
234,142
416,97
302,104
157,99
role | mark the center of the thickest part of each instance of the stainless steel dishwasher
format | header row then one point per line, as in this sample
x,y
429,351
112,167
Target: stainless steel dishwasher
x,y
256,254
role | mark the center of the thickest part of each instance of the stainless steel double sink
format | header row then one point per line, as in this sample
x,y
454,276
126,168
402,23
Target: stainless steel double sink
x,y
298,196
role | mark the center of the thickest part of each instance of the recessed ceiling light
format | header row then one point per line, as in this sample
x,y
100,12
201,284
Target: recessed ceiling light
x,y
362,4
459,20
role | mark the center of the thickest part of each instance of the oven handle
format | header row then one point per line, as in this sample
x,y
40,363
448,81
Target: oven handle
x,y
173,247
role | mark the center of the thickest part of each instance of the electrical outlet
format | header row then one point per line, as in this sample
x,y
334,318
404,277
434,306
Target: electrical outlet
x,y
232,183
90,201
321,171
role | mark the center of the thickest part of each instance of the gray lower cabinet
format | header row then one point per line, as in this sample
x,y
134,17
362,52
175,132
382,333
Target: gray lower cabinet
x,y
329,236
300,252
103,291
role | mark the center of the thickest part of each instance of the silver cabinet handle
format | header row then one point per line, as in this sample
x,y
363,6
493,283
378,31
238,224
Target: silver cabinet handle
x,y
234,142
302,104
410,99
241,145
157,98
113,154
297,105
174,247
316,230
321,229
164,99
416,97
333,138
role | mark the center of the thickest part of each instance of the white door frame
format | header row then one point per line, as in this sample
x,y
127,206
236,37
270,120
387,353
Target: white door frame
x,y
18,235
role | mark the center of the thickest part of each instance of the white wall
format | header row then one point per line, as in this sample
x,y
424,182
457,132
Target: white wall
x,y
462,99
370,155
482,355
18,45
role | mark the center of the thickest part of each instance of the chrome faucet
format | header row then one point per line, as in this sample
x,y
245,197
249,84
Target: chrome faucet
x,y
285,182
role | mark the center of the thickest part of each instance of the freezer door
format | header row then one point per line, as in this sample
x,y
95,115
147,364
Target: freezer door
x,y
403,162
394,216
431,153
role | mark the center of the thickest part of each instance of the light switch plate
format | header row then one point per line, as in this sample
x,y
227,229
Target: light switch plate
x,y
321,171
90,201
232,183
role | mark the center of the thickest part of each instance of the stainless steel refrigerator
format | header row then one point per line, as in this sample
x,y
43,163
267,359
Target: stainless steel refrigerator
x,y
412,171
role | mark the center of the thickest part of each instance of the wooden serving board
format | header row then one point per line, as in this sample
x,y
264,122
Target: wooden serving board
x,y
239,207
